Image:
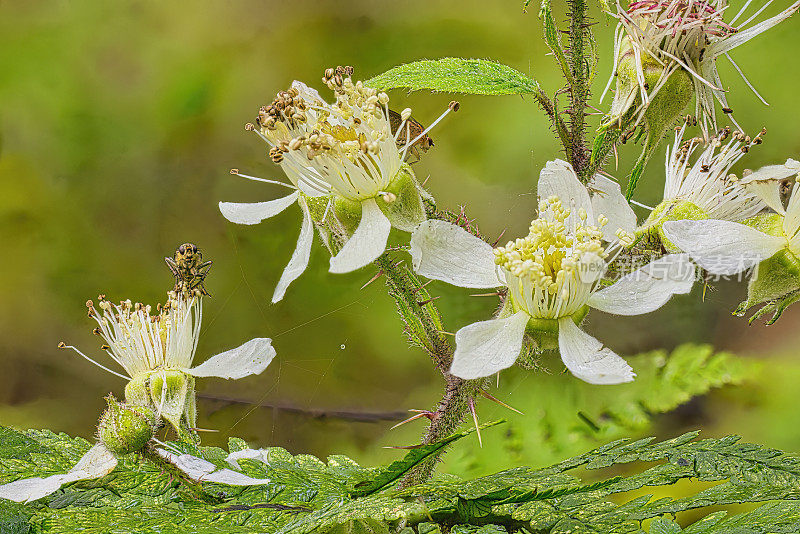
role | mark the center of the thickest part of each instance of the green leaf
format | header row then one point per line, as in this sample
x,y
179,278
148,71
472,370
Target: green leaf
x,y
457,75
572,416
400,467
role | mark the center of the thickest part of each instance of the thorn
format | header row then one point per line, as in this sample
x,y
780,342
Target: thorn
x,y
446,333
499,237
419,414
475,418
495,294
422,286
397,264
424,302
616,158
498,401
426,180
380,273
203,430
404,447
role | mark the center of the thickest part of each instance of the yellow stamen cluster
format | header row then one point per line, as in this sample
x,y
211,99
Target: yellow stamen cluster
x,y
550,251
552,272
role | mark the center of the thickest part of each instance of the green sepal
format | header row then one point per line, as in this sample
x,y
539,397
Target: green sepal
x,y
774,283
669,210
663,111
406,212
544,332
125,428
170,392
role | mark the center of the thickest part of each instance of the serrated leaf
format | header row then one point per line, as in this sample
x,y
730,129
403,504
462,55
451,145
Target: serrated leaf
x,y
400,467
457,75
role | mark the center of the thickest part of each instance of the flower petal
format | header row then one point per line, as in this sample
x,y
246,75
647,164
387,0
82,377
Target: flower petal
x,y
367,242
588,359
791,224
443,251
722,247
608,200
302,252
765,182
255,212
248,359
487,347
648,288
97,462
201,470
558,178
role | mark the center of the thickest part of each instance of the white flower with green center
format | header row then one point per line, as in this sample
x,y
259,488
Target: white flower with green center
x,y
157,351
726,247
668,36
703,187
347,152
553,276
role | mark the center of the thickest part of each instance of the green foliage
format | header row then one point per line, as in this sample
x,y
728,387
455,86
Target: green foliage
x,y
564,416
415,456
457,75
308,495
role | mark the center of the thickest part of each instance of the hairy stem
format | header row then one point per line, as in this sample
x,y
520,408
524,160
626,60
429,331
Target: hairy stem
x,y
579,89
423,325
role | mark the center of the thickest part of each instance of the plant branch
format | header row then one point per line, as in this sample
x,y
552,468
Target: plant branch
x,y
423,325
579,36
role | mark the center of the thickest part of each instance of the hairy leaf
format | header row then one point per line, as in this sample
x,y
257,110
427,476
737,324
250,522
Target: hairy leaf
x,y
457,75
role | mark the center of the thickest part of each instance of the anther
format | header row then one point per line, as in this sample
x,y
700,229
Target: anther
x,y
454,106
62,345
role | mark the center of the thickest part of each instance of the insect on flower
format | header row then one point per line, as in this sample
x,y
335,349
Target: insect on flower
x,y
189,269
346,162
414,130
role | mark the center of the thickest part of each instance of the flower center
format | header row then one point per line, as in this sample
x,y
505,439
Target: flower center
x,y
553,270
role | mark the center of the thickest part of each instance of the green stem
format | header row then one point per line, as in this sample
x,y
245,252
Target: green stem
x,y
579,90
424,328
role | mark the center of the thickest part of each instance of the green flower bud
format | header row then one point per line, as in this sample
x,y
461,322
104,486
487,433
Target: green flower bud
x,y
125,428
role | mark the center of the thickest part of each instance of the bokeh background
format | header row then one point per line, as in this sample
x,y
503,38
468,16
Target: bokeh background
x,y
120,121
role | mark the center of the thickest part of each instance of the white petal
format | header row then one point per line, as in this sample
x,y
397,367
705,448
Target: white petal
x,y
367,242
648,288
558,178
302,252
765,182
96,463
588,359
608,200
255,212
722,247
201,470
249,359
259,455
443,251
487,347
791,223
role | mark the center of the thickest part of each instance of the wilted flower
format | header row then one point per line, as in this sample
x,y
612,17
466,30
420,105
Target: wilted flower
x,y
156,352
673,37
346,154
553,276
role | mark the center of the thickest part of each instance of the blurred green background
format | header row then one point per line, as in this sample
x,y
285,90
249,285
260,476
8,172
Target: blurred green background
x,y
120,121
